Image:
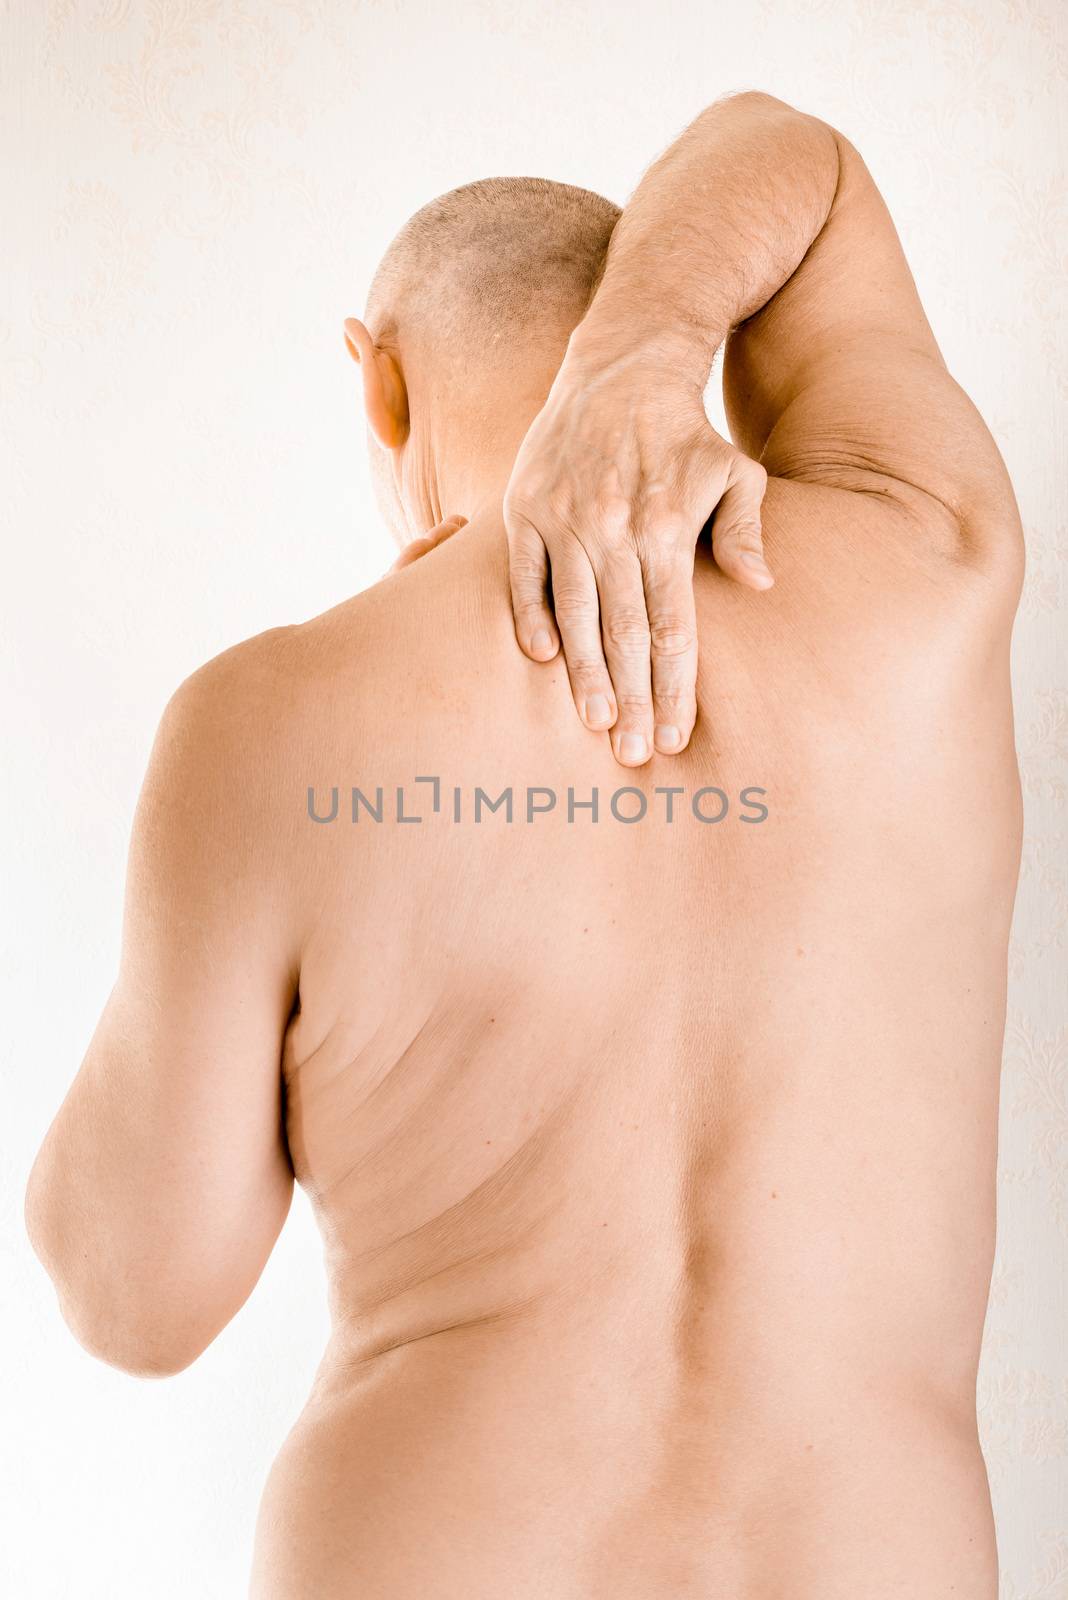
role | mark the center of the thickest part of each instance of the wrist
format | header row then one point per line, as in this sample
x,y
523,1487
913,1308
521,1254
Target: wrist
x,y
615,342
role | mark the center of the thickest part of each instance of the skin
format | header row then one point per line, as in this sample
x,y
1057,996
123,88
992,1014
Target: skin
x,y
654,1163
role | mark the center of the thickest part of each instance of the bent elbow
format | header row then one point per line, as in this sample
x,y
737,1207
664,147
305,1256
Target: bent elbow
x,y
135,1338
125,1341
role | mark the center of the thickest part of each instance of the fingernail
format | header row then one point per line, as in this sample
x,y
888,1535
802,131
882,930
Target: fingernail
x,y
542,643
598,710
756,562
632,747
667,737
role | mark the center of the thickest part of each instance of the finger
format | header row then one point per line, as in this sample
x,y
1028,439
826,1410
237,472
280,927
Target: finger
x,y
429,541
673,642
737,540
444,530
625,631
528,577
574,590
410,553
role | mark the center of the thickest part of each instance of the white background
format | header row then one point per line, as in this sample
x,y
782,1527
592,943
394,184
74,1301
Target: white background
x,y
194,193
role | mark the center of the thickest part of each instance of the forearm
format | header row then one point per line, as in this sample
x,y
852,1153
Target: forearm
x,y
715,228
94,1217
139,1206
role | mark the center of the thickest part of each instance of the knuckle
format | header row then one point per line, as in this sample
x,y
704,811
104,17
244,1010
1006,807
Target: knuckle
x,y
573,610
745,532
633,707
627,630
617,567
666,530
559,505
527,571
668,569
671,636
613,516
676,701
527,512
586,671
529,610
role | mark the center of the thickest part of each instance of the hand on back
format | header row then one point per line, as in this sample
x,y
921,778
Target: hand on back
x,y
617,476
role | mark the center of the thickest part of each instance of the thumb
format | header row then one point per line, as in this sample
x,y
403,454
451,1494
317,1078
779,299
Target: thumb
x,y
737,542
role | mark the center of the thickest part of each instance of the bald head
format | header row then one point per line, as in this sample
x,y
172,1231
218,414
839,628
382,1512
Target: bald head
x,y
490,268
467,321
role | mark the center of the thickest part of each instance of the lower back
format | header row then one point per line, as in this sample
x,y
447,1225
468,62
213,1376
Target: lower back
x,y
617,1312
580,1461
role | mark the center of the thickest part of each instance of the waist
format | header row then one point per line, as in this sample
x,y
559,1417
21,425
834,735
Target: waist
x,y
772,1267
501,1459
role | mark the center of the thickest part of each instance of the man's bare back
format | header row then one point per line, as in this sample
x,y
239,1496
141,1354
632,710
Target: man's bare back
x,y
654,1159
654,1162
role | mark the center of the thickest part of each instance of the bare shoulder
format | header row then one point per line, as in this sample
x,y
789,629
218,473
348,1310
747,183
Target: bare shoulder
x,y
255,696
262,711
232,704
245,670
442,611
211,803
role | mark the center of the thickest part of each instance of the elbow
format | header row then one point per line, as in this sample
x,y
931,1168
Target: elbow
x,y
125,1337
755,109
755,102
132,1334
125,1342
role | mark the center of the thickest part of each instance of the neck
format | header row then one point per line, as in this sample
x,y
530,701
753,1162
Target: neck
x,y
459,459
442,474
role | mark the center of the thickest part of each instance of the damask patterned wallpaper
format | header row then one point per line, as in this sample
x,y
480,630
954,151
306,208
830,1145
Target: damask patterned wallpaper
x,y
194,193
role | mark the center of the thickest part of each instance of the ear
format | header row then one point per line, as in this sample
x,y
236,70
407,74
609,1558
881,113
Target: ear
x,y
385,397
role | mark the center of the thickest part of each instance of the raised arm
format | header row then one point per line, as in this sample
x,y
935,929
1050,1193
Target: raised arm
x,y
763,224
716,226
837,378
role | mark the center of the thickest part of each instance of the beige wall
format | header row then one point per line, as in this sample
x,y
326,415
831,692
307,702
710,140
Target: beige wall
x,y
199,192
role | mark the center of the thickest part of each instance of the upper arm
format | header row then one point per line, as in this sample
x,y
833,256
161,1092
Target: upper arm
x,y
838,380
165,1178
